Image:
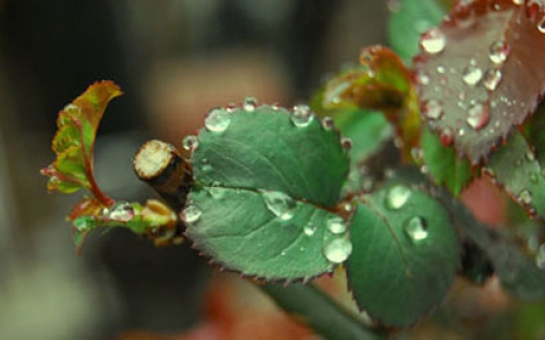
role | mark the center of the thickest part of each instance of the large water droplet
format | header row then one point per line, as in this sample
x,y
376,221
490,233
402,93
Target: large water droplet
x,y
432,109
190,143
280,204
471,75
525,197
433,41
249,104
191,214
398,196
122,212
478,116
310,229
498,51
416,228
492,78
338,250
301,116
336,225
217,120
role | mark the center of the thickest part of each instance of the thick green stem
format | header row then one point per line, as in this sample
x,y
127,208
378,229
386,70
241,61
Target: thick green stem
x,y
315,309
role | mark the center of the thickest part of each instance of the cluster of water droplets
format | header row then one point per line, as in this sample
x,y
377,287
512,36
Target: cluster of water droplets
x,y
415,226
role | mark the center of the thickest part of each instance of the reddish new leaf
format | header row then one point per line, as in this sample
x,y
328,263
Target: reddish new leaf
x,y
482,72
73,143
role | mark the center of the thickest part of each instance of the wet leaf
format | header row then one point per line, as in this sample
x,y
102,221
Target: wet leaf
x,y
73,143
266,182
480,74
515,167
408,20
443,165
405,254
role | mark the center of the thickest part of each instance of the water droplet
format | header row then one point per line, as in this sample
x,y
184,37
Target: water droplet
x,y
217,120
433,41
310,229
216,191
498,51
122,212
417,154
441,69
471,75
327,123
541,25
338,250
190,143
416,228
191,214
397,197
205,165
249,104
422,77
492,78
280,204
525,197
478,116
346,143
432,109
336,225
446,136
540,257
518,2
534,178
301,116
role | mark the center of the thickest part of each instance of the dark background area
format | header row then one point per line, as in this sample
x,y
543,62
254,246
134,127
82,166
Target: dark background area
x,y
174,60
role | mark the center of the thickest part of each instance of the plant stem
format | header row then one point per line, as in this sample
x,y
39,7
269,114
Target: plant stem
x,y
317,310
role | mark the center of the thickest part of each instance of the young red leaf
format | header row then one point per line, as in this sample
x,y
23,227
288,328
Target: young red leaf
x,y
481,72
73,143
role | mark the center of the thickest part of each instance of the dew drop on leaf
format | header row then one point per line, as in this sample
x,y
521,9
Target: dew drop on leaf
x,y
478,116
472,75
327,123
346,143
518,2
416,228
336,225
301,116
498,51
249,104
217,120
216,191
338,250
310,229
280,204
433,41
432,109
541,25
122,212
530,155
446,136
190,142
191,214
397,197
422,77
525,197
492,78
534,178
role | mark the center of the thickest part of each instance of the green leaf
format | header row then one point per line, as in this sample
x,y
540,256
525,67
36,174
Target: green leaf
x,y
408,20
405,254
515,167
264,191
73,143
444,166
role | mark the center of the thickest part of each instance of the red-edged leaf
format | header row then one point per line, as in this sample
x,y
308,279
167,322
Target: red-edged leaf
x,y
482,72
74,141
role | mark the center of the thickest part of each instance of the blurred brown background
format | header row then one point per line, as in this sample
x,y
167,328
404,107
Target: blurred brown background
x,y
174,59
